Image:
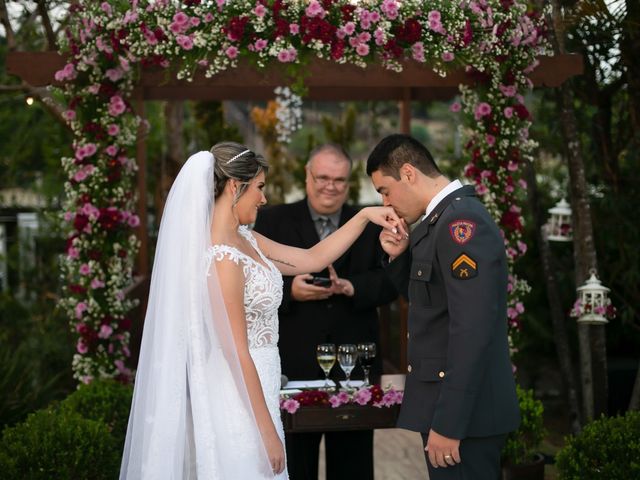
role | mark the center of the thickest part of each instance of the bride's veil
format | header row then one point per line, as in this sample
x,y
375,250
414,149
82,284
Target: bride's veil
x,y
191,416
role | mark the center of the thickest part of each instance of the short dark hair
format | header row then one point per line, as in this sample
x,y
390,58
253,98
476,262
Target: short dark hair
x,y
395,150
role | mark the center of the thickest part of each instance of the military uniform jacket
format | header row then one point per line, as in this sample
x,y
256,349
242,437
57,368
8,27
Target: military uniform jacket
x,y
339,319
454,274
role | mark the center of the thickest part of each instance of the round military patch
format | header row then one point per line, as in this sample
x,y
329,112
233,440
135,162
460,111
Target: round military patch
x,y
462,231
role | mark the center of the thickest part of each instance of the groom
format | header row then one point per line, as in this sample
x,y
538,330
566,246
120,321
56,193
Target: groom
x,y
460,391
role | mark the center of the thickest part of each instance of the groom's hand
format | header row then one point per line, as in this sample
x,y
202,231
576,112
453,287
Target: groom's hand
x,y
442,451
394,243
305,292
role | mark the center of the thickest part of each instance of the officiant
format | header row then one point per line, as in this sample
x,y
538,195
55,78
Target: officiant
x,y
343,312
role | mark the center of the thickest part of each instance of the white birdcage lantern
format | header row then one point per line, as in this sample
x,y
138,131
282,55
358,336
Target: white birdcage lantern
x,y
593,304
559,225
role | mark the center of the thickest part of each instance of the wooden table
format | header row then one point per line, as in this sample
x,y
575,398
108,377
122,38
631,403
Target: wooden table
x,y
343,418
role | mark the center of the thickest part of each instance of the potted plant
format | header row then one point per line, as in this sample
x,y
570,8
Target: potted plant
x,y
520,456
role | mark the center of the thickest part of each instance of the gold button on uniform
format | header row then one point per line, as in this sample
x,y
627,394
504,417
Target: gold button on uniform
x,y
409,369
441,374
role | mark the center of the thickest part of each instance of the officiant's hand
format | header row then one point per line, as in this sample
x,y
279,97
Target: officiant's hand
x,y
304,292
340,286
442,451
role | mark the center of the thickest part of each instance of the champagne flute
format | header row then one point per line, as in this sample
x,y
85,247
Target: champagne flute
x,y
326,355
347,355
366,354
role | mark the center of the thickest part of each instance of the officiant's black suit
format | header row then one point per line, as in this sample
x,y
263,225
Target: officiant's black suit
x,y
459,381
339,319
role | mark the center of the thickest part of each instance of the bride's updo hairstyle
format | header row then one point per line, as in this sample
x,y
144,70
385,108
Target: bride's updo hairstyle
x,y
235,161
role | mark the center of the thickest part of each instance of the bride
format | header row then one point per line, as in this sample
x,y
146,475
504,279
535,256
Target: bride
x,y
206,397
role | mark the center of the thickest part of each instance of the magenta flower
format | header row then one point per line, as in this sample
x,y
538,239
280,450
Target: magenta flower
x,y
349,28
491,140
482,110
481,189
208,18
81,347
447,56
294,28
85,269
112,150
508,112
181,18
133,221
260,44
105,331
68,72
69,115
73,253
260,11
116,106
455,107
185,42
290,405
390,9
362,396
231,52
362,49
434,15
508,90
96,283
106,8
315,9
113,129
81,307
523,183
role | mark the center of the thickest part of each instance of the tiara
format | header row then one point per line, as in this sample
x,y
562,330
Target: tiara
x,y
237,156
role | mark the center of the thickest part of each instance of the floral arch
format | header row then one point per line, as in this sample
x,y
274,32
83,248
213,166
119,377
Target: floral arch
x,y
107,43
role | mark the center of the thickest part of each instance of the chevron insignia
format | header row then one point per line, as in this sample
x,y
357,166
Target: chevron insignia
x,y
464,267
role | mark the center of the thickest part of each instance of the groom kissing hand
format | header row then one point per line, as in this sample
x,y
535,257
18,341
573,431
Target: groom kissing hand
x,y
460,391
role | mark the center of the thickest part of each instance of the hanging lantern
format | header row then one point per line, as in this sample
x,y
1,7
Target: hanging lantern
x,y
559,225
593,304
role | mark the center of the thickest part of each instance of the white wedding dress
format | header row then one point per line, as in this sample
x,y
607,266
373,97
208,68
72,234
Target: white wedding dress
x,y
262,297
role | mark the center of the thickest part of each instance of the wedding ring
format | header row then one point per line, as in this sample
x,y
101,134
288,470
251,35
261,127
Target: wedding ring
x,y
447,456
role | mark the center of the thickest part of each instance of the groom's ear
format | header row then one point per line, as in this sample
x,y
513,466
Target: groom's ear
x,y
407,173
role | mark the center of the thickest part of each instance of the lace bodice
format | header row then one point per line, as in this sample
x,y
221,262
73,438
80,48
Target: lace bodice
x,y
262,290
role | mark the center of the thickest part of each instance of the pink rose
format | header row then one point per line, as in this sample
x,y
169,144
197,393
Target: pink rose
x,y
73,253
294,28
315,9
81,347
349,28
231,52
455,107
434,15
114,74
491,140
81,307
260,44
508,112
482,110
112,150
362,49
85,269
116,106
290,405
69,115
185,42
96,283
105,331
448,56
133,221
259,11
181,18
106,8
113,129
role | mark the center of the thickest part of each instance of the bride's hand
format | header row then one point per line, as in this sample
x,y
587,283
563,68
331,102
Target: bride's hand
x,y
387,218
275,451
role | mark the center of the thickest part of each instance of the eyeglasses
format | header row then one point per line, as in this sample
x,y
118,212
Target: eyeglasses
x,y
322,181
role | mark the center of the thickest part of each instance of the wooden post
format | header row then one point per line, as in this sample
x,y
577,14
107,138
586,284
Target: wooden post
x,y
403,308
142,264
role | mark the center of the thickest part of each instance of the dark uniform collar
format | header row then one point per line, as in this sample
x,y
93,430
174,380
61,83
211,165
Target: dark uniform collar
x,y
423,228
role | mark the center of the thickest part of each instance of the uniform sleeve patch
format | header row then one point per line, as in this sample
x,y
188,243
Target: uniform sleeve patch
x,y
462,231
464,267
